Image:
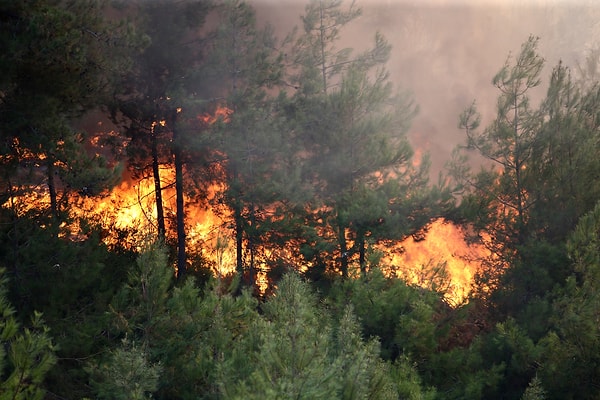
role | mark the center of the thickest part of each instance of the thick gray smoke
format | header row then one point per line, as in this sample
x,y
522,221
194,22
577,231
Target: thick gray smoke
x,y
447,51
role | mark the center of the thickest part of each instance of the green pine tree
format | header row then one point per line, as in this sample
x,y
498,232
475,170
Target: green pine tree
x,y
535,390
351,132
62,59
568,367
298,349
126,375
26,354
250,148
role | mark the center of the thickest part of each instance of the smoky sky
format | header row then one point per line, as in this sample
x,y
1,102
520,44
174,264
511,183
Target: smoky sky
x,y
446,52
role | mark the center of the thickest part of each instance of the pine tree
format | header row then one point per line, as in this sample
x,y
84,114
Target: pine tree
x,y
59,68
538,183
26,355
185,338
499,198
150,104
352,131
508,143
563,157
535,390
297,350
251,147
570,347
126,375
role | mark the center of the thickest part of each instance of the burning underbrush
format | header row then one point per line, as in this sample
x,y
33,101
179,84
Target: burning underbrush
x,y
439,260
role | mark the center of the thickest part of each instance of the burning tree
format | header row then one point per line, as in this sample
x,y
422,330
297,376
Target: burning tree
x,y
508,143
56,67
150,105
242,66
351,127
539,181
499,198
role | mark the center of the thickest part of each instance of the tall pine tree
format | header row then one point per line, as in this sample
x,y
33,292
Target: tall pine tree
x,y
151,100
246,69
352,131
60,62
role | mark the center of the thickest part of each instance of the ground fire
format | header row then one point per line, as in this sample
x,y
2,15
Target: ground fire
x,y
440,259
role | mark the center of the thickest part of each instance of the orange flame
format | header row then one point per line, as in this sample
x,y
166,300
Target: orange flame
x,y
221,113
440,260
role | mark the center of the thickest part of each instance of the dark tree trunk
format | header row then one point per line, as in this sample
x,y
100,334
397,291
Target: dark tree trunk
x,y
343,251
361,254
239,236
160,214
52,187
181,255
251,246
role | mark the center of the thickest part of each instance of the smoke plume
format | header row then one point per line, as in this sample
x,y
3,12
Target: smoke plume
x,y
446,52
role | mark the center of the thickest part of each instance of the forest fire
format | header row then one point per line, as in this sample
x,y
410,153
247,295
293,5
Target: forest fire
x,y
440,260
130,208
221,113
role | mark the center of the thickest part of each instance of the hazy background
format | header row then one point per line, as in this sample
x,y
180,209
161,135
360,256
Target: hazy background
x,y
446,52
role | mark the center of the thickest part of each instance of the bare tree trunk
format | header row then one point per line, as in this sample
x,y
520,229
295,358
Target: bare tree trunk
x,y
160,214
181,254
343,251
361,254
251,246
239,236
52,187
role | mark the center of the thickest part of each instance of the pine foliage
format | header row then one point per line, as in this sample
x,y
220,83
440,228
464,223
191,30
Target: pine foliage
x,y
301,352
126,375
26,353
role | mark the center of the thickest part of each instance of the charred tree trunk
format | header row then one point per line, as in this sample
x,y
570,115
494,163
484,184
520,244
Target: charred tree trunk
x,y
251,246
361,254
160,214
181,254
239,237
343,251
52,187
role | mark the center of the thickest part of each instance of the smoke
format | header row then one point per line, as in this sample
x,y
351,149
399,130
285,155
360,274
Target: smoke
x,y
446,52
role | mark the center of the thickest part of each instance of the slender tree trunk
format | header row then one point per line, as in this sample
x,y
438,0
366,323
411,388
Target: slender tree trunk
x,y
251,245
518,164
239,235
361,254
52,187
181,255
160,214
322,41
343,251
